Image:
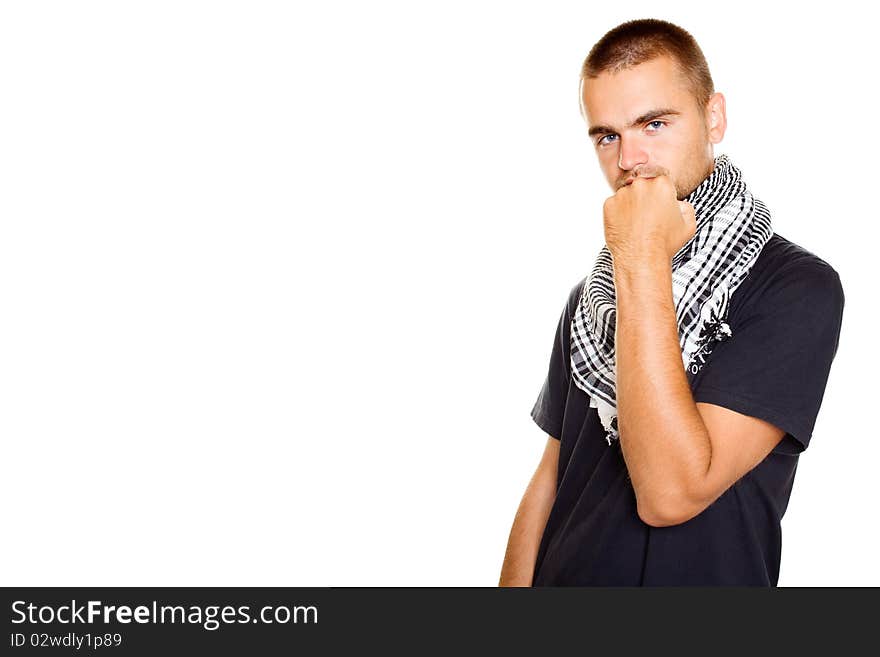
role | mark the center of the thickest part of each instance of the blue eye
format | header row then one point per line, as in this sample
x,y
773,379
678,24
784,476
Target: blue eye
x,y
656,121
599,143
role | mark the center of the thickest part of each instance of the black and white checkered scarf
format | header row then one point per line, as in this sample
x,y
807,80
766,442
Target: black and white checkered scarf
x,y
731,229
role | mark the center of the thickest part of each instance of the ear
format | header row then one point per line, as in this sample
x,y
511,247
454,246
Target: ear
x,y
716,117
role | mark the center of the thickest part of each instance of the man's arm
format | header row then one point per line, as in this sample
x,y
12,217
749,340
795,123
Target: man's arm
x,y
531,518
681,456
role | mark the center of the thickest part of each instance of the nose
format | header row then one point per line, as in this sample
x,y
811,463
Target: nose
x,y
632,153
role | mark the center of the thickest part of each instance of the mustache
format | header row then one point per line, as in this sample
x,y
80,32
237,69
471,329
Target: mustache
x,y
644,172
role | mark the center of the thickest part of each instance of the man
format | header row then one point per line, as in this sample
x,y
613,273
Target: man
x,y
688,367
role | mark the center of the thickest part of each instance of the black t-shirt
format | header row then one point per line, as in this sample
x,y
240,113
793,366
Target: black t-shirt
x,y
785,319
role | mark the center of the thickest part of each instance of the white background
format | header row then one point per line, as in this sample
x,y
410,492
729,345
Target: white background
x,y
279,281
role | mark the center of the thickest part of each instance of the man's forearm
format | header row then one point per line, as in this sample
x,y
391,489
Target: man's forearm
x,y
663,438
528,528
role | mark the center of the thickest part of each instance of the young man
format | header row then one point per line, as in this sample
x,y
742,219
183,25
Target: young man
x,y
688,367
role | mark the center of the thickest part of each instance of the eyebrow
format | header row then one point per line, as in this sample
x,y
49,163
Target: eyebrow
x,y
647,117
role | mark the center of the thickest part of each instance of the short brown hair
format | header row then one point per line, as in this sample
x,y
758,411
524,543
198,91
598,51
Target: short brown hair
x,y
638,41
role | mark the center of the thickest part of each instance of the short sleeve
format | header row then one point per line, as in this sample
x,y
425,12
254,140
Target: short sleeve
x,y
549,409
776,363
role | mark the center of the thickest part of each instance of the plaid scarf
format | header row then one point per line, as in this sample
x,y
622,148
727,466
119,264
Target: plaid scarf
x,y
732,227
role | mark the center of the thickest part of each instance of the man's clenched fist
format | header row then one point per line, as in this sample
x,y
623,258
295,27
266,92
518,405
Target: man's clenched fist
x,y
645,220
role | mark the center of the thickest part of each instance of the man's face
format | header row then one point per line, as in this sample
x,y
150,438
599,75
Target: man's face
x,y
645,121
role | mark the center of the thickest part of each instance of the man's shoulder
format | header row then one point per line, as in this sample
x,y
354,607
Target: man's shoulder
x,y
782,257
576,292
787,270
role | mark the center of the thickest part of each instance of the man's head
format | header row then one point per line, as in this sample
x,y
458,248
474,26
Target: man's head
x,y
649,102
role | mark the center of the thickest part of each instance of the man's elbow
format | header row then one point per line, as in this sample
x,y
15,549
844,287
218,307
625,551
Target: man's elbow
x,y
671,511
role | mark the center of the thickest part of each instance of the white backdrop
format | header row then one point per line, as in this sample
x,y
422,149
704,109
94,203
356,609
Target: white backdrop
x,y
279,281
